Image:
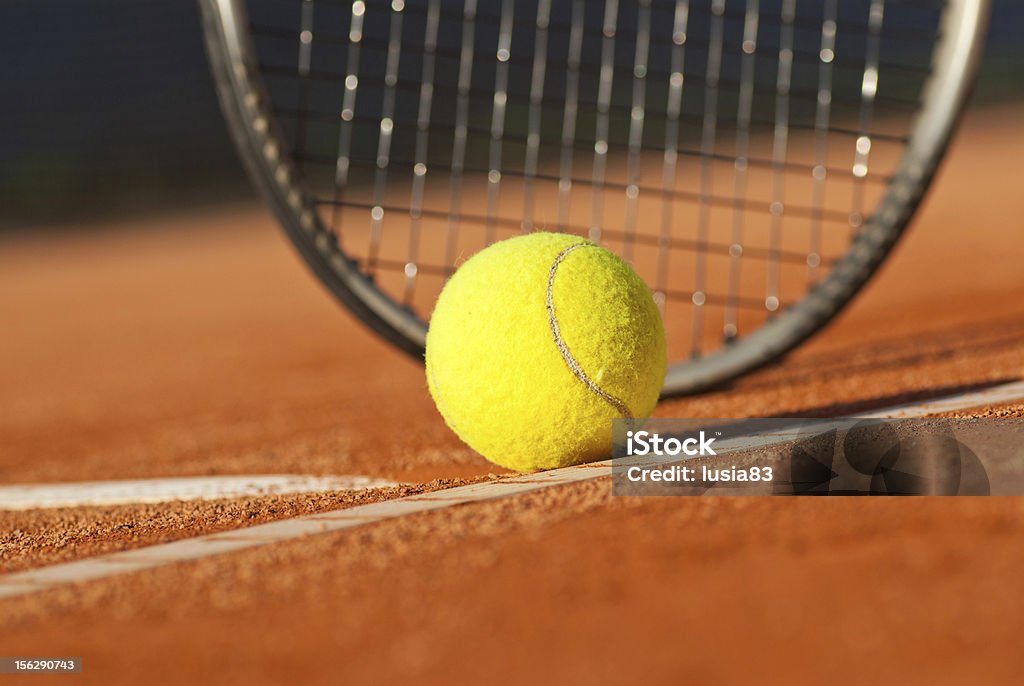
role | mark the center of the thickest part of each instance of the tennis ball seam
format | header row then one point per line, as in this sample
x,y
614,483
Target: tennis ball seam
x,y
560,343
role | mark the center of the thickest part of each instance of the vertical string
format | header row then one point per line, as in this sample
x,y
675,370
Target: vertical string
x,y
385,132
461,130
604,100
498,109
419,169
570,112
780,144
540,53
636,125
822,115
303,63
868,91
744,106
670,160
707,150
348,111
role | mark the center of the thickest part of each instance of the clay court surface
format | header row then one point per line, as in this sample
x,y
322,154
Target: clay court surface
x,y
197,344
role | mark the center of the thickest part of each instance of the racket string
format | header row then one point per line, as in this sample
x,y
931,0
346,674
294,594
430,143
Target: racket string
x,y
780,145
673,110
709,130
347,113
822,117
570,112
461,128
603,123
386,132
636,125
671,101
536,100
868,91
745,103
420,166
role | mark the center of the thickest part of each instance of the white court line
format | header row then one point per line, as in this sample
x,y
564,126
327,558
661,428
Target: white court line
x,y
995,395
130,492
54,576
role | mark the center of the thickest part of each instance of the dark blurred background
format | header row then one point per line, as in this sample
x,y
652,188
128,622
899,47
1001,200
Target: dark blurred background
x,y
108,109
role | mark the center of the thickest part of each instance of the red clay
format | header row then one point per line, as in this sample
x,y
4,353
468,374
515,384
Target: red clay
x,y
209,350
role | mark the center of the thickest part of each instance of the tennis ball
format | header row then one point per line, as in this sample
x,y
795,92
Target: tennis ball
x,y
537,343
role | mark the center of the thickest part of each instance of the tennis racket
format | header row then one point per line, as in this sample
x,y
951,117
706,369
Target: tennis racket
x,y
754,160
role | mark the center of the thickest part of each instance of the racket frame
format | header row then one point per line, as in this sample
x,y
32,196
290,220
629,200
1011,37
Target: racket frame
x,y
260,144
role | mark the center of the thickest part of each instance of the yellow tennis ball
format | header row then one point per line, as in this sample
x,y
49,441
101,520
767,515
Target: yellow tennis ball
x,y
537,343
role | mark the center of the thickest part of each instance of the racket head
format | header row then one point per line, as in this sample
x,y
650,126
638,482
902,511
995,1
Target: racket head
x,y
727,127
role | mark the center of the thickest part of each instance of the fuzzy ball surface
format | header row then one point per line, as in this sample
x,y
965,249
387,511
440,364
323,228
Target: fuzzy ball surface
x,y
537,343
